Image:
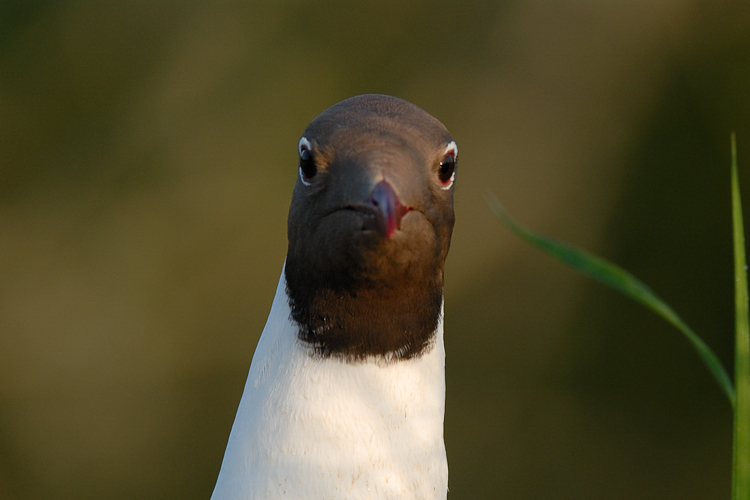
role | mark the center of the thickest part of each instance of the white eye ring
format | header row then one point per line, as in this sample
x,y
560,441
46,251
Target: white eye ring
x,y
451,148
303,143
302,178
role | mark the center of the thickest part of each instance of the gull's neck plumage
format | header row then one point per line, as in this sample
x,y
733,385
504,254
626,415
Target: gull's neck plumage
x,y
311,427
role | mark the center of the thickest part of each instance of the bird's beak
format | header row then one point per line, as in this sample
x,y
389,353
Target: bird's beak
x,y
385,210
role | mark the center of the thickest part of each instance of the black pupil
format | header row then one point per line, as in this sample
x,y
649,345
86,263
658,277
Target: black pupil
x,y
307,164
447,167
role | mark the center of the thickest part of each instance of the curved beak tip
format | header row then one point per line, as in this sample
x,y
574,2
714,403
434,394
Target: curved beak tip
x,y
388,209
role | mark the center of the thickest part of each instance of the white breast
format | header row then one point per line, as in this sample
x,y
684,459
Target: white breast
x,y
311,428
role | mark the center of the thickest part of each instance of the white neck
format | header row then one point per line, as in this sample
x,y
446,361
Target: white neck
x,y
312,428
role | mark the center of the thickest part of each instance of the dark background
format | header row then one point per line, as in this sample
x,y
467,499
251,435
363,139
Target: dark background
x,y
147,158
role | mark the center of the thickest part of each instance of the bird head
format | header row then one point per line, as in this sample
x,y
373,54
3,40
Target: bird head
x,y
369,228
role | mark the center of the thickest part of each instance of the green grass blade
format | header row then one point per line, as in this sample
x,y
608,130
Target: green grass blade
x,y
622,281
741,461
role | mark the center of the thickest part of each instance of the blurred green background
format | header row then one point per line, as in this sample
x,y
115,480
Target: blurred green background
x,y
147,158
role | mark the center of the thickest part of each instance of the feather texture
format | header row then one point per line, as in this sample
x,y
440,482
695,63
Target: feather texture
x,y
311,427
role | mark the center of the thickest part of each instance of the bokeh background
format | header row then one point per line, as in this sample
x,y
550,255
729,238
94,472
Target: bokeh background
x,y
147,158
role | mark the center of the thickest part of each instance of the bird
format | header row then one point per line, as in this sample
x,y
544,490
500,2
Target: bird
x,y
345,397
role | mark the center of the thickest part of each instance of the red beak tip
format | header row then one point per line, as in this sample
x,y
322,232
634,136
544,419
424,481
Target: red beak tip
x,y
389,208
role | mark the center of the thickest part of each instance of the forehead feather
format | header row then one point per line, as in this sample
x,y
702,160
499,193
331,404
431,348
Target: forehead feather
x,y
376,119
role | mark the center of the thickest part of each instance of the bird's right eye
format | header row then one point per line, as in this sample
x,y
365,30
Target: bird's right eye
x,y
307,167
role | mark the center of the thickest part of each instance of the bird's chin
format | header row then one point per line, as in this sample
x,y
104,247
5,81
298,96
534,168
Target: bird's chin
x,y
342,245
367,225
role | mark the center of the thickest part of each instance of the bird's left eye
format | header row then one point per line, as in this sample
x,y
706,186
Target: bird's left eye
x,y
447,171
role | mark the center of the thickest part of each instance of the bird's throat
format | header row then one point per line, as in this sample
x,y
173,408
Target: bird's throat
x,y
360,321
